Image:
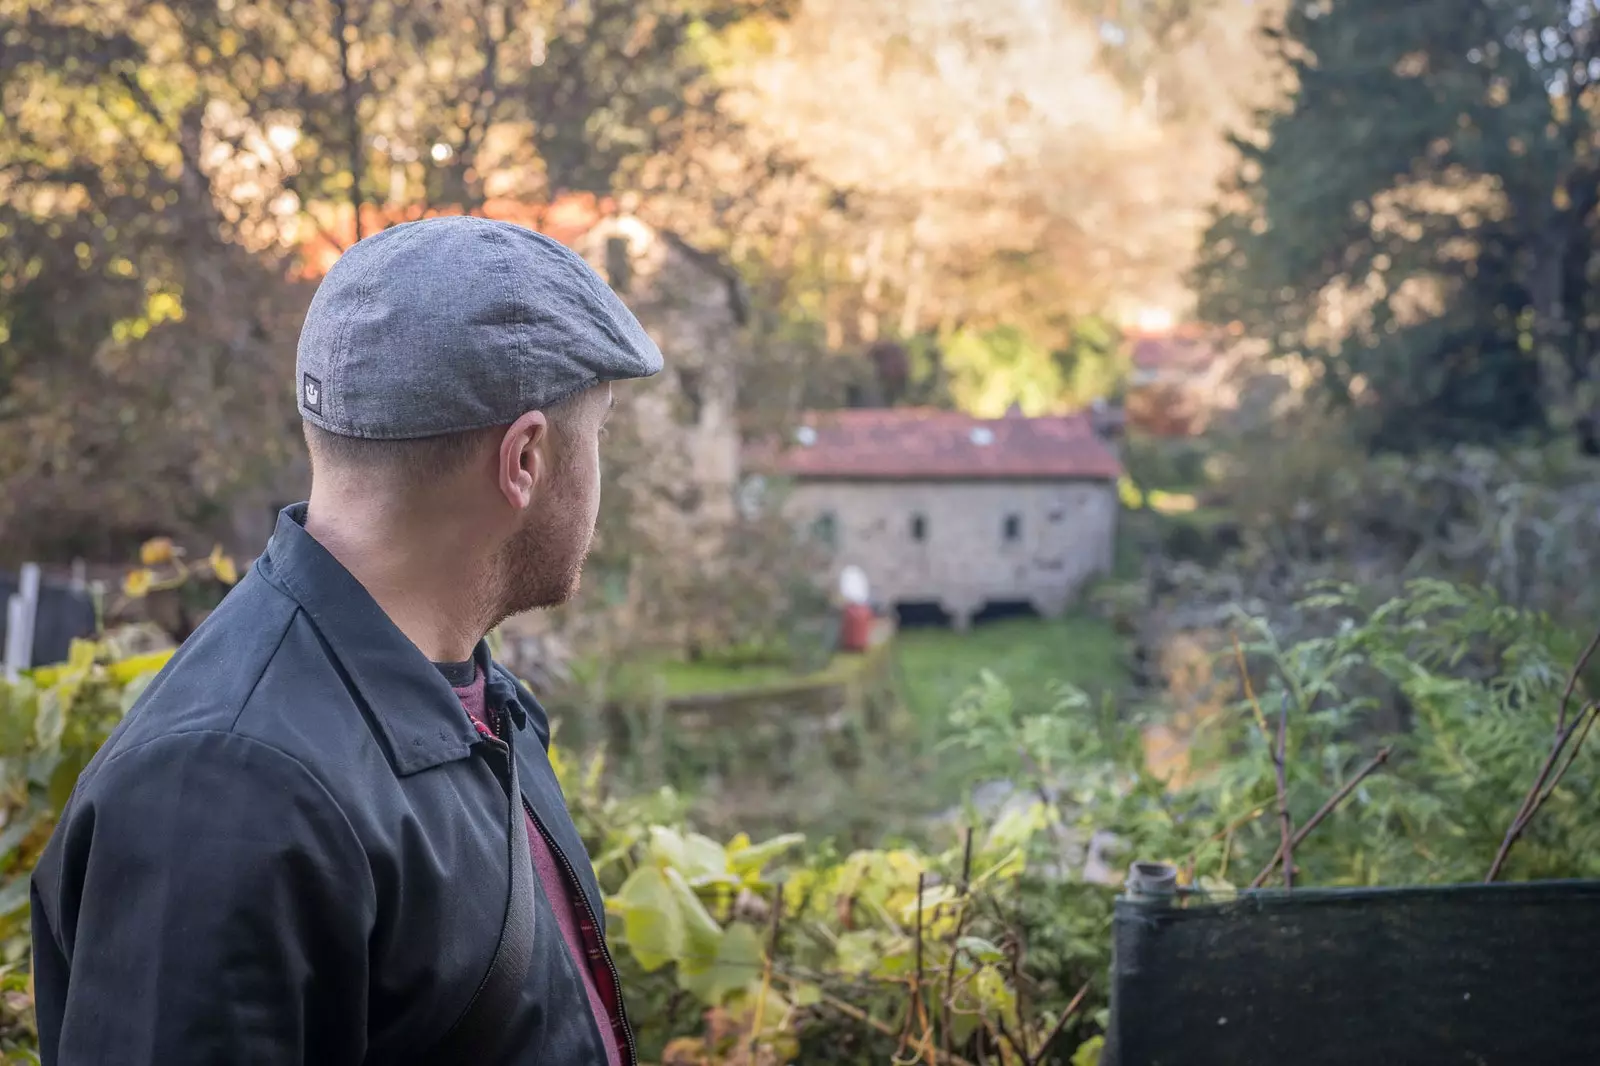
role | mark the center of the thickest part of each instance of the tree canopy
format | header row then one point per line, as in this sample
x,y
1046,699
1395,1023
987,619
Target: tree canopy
x,y
1419,216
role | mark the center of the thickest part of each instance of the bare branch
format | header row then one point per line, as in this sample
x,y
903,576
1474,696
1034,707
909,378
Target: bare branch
x,y
1286,824
1323,811
1565,730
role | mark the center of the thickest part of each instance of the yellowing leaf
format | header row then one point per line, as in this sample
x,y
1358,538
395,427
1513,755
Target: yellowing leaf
x,y
128,670
222,566
749,860
137,583
157,551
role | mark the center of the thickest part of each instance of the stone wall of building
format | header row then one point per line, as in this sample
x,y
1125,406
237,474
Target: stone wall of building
x,y
980,541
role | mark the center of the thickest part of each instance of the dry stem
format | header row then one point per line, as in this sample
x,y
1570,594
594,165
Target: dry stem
x,y
1323,811
1565,730
1285,823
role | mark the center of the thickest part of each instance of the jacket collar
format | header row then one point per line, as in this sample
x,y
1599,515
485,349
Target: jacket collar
x,y
414,707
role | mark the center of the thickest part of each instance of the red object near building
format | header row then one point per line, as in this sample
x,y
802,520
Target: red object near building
x,y
856,633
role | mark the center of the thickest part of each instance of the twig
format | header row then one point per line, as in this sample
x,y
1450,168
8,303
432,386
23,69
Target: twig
x,y
1539,793
1004,1033
947,996
766,971
1066,1013
1325,810
1572,681
1564,733
1019,949
913,1011
1249,690
855,1013
1593,711
1285,823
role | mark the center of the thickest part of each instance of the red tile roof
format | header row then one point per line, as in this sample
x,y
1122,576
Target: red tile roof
x,y
920,443
332,230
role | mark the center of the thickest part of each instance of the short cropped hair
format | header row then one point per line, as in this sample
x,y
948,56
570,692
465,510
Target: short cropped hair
x,y
412,462
418,462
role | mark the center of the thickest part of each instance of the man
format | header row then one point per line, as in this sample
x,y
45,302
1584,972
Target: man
x,y
297,847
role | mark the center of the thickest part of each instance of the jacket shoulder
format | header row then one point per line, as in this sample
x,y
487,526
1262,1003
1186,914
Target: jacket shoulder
x,y
210,680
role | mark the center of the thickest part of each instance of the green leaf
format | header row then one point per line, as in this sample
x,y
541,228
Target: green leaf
x,y
701,931
14,896
858,952
64,778
50,720
980,950
698,858
17,829
652,919
737,960
806,995
753,858
18,709
1088,1053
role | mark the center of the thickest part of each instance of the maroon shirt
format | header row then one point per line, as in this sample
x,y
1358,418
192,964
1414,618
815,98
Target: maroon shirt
x,y
581,936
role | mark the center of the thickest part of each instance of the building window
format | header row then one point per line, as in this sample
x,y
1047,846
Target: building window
x,y
825,529
1013,528
919,528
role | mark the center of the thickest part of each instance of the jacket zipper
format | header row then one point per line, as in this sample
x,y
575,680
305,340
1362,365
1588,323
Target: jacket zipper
x,y
594,921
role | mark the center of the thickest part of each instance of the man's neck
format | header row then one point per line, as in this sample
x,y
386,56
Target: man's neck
x,y
431,589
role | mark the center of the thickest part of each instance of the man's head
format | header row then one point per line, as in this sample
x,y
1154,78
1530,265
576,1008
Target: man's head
x,y
454,380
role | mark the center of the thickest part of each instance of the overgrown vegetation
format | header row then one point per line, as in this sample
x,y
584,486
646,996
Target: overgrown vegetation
x,y
995,941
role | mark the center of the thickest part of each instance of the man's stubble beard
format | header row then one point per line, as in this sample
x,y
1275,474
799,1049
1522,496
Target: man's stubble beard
x,y
536,569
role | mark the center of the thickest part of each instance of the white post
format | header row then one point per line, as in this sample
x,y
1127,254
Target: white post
x,y
21,611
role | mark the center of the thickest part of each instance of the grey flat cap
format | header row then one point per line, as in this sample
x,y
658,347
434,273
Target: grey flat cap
x,y
458,323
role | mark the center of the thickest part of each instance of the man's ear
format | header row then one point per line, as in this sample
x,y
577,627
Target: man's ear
x,y
525,459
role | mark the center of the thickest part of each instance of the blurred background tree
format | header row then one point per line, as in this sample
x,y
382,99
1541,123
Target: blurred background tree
x,y
1420,222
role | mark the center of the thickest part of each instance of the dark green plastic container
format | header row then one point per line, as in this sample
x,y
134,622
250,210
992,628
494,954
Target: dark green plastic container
x,y
1475,975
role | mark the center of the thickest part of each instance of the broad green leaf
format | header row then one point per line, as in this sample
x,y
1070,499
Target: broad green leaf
x,y
652,920
738,959
701,931
698,858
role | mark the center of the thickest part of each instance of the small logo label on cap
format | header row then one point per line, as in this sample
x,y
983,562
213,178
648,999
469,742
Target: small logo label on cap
x,y
312,392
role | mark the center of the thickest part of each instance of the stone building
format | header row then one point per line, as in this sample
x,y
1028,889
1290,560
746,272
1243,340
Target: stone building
x,y
938,507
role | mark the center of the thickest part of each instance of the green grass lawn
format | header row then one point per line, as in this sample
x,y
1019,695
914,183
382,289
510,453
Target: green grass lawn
x,y
671,677
1030,655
